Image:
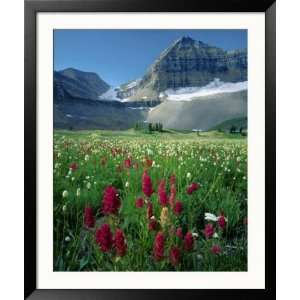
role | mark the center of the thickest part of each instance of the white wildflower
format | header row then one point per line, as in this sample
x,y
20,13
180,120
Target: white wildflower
x,y
199,256
210,217
149,152
195,235
86,158
188,175
88,185
67,239
78,192
65,194
126,184
215,235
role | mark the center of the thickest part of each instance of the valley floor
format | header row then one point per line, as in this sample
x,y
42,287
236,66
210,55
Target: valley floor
x,y
132,201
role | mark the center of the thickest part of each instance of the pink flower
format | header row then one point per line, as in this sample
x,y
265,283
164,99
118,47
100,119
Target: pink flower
x,y
192,188
153,225
179,233
188,241
149,210
88,219
222,221
175,256
127,163
139,203
73,166
158,248
209,231
104,238
111,202
172,179
147,184
120,242
172,195
178,208
148,162
163,198
216,249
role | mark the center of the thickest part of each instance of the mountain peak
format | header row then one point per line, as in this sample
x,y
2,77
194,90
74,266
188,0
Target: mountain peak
x,y
186,40
80,84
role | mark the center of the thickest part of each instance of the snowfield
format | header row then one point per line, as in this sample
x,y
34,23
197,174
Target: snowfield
x,y
214,87
111,94
133,83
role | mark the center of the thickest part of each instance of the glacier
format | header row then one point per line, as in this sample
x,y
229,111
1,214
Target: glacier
x,y
214,87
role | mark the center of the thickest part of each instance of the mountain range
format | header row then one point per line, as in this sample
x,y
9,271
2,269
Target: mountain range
x,y
191,85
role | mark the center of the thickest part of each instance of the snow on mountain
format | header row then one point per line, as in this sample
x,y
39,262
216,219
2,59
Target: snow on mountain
x,y
111,94
214,87
133,83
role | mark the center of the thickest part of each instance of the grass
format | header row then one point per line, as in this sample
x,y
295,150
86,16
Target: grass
x,y
216,161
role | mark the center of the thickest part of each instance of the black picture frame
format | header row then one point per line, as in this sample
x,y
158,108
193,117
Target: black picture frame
x,y
32,7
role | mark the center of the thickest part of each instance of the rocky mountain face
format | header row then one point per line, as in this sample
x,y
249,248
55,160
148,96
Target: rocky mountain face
x,y
77,113
188,63
75,83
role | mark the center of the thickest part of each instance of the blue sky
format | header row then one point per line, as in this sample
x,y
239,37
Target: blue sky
x,y
118,56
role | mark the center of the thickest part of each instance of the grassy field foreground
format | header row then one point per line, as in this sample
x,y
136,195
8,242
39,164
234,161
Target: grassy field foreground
x,y
129,201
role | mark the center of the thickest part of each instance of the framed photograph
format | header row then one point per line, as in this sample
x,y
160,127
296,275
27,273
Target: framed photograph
x,y
149,149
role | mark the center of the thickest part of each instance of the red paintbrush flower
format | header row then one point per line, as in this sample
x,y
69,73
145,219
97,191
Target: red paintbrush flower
x,y
127,163
172,195
148,162
175,256
120,242
139,203
192,188
178,208
222,221
149,210
179,233
216,249
188,241
111,202
172,179
104,238
147,184
74,166
153,225
209,231
88,219
158,248
163,198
